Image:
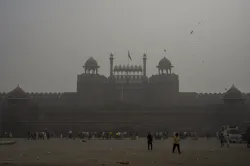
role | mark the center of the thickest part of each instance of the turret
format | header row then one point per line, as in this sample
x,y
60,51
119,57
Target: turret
x,y
111,59
144,65
164,66
91,66
233,97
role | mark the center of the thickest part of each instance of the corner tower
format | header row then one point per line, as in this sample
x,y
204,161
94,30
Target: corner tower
x,y
90,84
91,66
164,86
164,66
233,97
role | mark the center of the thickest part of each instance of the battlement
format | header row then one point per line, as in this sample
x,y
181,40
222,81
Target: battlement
x,y
163,77
45,95
127,69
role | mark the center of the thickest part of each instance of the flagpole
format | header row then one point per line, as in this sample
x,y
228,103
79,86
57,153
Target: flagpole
x,y
128,57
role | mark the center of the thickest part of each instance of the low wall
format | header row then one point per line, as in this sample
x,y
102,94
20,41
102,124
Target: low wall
x,y
141,121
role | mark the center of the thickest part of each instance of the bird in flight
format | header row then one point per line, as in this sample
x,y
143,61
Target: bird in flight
x,y
165,50
191,32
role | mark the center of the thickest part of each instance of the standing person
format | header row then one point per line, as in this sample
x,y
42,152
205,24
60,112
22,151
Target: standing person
x,y
111,135
70,134
48,135
228,140
195,138
45,135
10,135
150,141
176,143
61,135
221,140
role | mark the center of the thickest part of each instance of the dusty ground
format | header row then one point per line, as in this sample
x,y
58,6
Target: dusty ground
x,y
107,152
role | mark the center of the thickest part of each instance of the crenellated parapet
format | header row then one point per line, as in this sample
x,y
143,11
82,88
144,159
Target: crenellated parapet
x,y
210,95
209,98
127,69
44,95
163,77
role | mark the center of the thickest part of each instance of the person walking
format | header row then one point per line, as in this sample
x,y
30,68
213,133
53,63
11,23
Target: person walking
x,y
221,140
228,140
70,134
150,141
61,135
10,135
176,143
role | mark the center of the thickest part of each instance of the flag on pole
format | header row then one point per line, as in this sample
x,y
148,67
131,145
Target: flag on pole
x,y
129,56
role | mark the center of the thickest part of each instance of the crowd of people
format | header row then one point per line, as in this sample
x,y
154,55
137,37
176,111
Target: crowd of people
x,y
46,135
107,135
8,134
43,135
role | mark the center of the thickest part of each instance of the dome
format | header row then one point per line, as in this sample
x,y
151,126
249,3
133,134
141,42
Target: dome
x,y
233,93
165,64
17,93
91,62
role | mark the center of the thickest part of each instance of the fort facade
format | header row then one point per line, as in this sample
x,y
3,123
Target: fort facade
x,y
126,100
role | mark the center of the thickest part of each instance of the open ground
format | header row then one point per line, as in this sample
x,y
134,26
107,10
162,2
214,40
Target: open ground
x,y
110,152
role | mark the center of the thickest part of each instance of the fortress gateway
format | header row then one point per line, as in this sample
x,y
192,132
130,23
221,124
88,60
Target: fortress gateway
x,y
127,100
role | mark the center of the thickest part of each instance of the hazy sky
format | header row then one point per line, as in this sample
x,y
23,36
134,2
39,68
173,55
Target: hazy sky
x,y
45,43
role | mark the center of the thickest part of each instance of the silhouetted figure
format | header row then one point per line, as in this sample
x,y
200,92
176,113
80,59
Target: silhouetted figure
x,y
176,143
221,140
10,135
150,141
48,135
70,134
228,140
61,135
